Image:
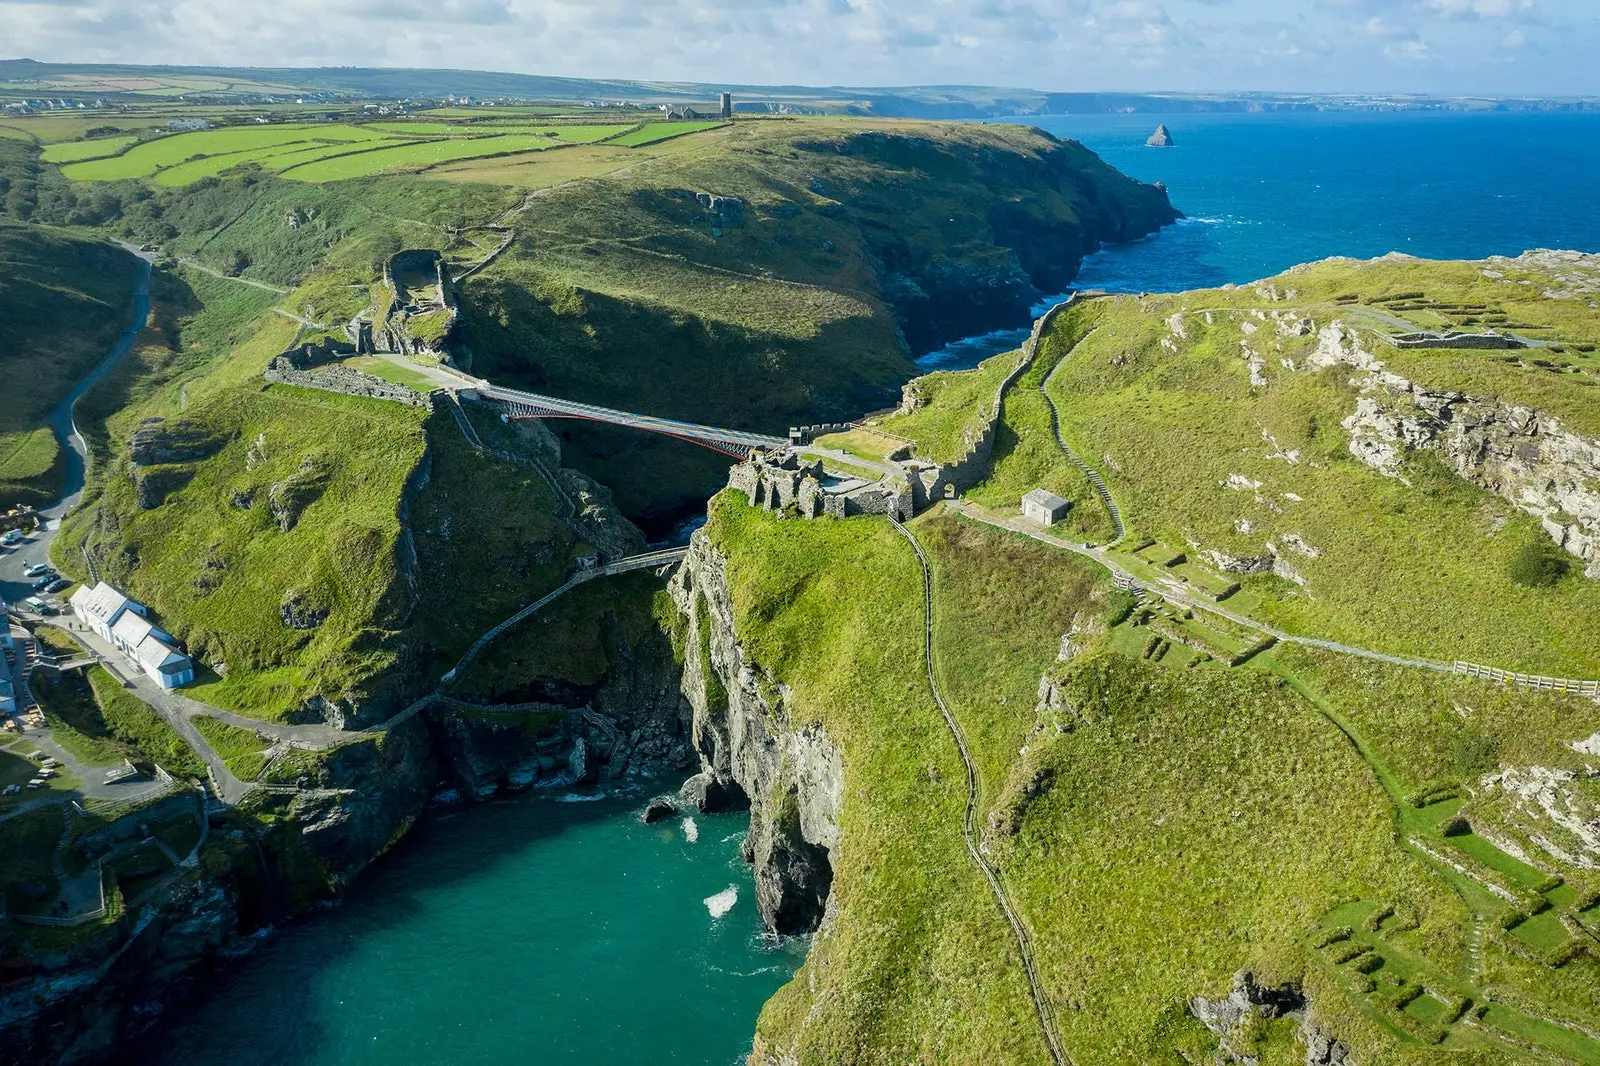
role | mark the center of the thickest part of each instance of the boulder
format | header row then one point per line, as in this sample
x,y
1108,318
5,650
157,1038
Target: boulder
x,y
658,810
711,795
581,763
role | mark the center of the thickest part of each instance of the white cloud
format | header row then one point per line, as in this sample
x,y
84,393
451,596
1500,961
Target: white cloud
x,y
1086,45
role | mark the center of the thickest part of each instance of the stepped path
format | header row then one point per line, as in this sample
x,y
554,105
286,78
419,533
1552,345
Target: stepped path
x,y
991,873
1090,472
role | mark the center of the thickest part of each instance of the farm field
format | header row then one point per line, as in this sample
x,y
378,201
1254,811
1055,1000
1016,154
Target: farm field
x,y
308,151
652,132
144,160
75,151
417,155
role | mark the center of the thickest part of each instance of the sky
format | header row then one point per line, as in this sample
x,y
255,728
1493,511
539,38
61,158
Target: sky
x,y
1499,47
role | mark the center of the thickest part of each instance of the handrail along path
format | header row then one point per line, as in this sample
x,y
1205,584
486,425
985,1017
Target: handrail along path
x,y
991,874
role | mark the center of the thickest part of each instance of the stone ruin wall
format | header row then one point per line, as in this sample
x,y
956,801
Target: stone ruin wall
x,y
312,366
950,479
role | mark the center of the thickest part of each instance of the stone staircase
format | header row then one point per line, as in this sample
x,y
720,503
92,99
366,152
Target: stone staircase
x,y
565,508
1090,472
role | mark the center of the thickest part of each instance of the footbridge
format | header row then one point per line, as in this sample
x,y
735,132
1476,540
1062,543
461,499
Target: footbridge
x,y
517,404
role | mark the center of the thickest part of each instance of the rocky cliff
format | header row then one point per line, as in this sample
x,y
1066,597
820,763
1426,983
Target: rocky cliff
x,y
275,857
1525,456
752,751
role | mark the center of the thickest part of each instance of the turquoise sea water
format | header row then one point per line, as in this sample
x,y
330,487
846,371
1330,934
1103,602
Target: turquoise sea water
x,y
1265,192
530,931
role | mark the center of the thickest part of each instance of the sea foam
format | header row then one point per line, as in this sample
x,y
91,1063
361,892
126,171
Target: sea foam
x,y
722,902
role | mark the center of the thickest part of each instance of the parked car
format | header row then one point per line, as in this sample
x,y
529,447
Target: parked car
x,y
11,538
10,790
38,568
57,585
38,586
38,606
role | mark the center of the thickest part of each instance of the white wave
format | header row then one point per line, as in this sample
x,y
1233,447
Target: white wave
x,y
722,902
579,797
691,831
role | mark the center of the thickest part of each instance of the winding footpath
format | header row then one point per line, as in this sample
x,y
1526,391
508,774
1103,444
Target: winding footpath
x,y
1090,472
991,873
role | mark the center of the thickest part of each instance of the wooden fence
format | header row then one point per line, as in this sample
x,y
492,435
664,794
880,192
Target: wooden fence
x,y
1534,681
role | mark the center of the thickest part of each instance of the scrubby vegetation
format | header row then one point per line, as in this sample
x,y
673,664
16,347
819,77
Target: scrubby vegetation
x,y
63,301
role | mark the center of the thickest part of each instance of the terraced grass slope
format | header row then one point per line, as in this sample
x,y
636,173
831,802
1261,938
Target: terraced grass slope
x,y
1393,491
63,301
1402,855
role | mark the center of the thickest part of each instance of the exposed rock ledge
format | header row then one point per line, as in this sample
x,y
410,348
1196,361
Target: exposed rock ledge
x,y
791,774
1527,457
1230,1017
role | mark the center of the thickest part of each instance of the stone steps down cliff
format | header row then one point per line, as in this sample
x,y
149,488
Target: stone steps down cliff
x,y
1090,472
937,481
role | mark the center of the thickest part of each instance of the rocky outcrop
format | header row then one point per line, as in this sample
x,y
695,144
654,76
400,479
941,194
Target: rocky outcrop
x,y
289,498
1161,138
1233,1019
1527,457
157,442
750,745
83,1005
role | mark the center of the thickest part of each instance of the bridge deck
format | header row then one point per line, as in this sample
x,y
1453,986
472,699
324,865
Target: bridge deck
x,y
533,405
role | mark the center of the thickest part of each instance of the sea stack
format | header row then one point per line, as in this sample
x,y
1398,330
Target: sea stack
x,y
1161,138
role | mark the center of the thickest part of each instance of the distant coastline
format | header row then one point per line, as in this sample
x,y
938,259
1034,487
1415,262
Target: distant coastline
x,y
328,84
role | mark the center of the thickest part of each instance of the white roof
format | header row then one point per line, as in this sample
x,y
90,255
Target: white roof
x,y
102,602
153,654
131,629
1045,498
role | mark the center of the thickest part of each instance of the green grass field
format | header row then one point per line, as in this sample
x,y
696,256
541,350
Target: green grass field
x,y
415,156
651,132
146,159
76,151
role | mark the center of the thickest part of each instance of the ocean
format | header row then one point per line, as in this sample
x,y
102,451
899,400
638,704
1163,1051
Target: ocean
x,y
1264,192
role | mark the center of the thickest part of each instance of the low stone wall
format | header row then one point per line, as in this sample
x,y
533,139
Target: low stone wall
x,y
313,355
1493,341
344,380
940,481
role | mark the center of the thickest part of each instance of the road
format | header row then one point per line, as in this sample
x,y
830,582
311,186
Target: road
x,y
14,587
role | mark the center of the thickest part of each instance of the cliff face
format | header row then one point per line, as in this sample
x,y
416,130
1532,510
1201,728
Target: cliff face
x,y
81,1004
1037,212
751,751
1524,456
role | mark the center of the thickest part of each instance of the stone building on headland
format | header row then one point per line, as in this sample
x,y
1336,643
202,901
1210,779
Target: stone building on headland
x,y
781,481
1045,507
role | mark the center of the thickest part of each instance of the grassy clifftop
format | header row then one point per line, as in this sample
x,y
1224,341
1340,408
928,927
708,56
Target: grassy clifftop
x,y
1405,853
755,274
